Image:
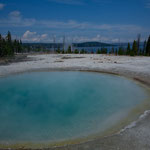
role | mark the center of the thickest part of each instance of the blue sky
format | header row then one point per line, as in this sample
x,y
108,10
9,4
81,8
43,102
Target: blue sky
x,y
78,20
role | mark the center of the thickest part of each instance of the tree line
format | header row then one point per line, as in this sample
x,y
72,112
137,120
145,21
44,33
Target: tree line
x,y
134,50
9,47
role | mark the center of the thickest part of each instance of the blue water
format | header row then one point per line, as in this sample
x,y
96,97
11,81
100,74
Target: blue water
x,y
109,48
54,106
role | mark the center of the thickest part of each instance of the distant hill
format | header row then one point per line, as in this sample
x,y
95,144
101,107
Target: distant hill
x,y
60,45
91,44
45,45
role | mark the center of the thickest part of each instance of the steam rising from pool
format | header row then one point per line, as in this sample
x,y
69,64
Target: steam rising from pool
x,y
55,106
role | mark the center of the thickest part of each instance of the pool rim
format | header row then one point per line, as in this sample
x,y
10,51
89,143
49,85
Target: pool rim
x,y
139,82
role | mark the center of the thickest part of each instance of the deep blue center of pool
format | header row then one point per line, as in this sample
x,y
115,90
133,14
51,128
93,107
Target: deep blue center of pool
x,y
55,106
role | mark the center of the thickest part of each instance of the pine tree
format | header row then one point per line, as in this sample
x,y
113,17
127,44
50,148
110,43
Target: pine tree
x,y
69,50
1,39
8,37
98,51
141,52
82,51
15,46
63,52
4,48
120,51
58,50
113,50
104,50
148,47
144,48
9,45
138,42
128,49
76,51
134,48
116,52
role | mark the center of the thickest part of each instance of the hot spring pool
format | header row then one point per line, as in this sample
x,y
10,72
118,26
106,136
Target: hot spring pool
x,y
56,106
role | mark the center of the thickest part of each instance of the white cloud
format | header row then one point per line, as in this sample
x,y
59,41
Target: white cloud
x,y
44,36
29,36
2,6
116,40
15,14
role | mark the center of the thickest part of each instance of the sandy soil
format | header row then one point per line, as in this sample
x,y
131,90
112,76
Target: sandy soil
x,y
135,138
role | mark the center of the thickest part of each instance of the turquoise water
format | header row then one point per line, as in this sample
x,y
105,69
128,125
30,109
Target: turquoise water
x,y
55,106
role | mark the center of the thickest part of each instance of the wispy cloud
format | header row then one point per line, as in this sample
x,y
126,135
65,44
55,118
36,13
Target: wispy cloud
x,y
91,31
80,2
16,20
147,5
2,6
15,14
69,2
